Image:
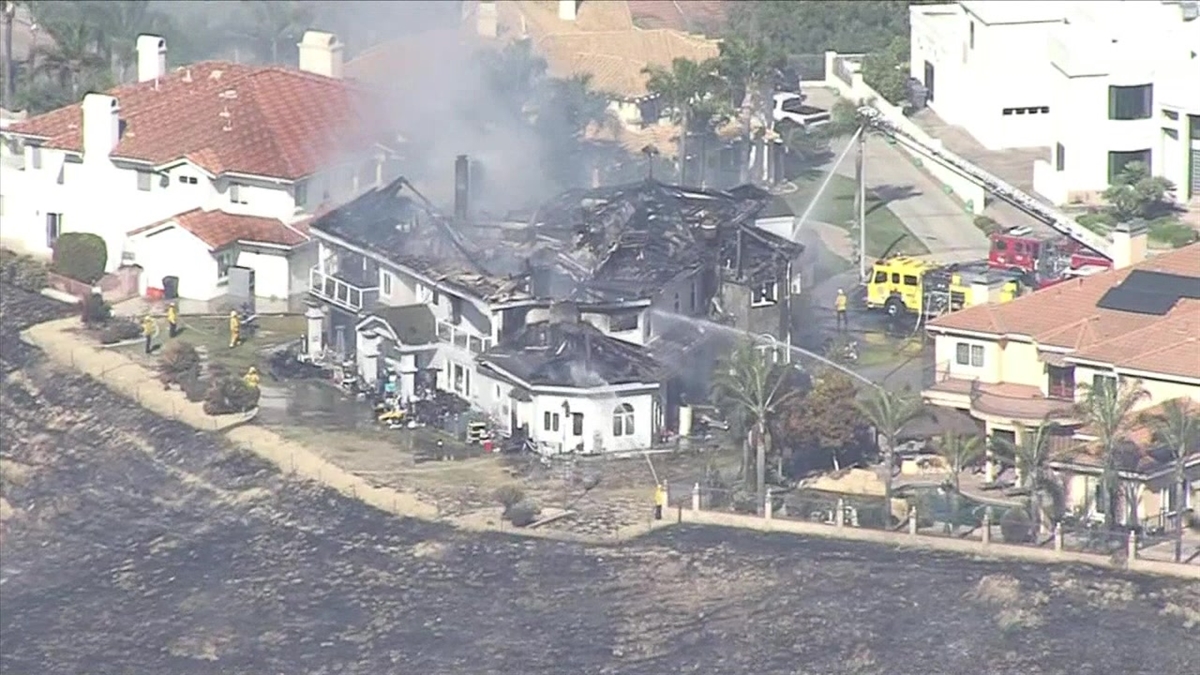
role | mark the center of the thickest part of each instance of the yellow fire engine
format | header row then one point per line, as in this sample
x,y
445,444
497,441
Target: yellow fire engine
x,y
902,284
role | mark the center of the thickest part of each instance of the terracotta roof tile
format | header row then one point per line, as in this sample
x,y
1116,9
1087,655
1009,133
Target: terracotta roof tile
x,y
219,229
616,59
1065,315
281,122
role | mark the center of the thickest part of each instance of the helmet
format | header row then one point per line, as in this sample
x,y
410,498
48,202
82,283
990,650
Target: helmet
x,y
252,370
232,313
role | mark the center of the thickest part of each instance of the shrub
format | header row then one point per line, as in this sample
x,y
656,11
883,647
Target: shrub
x,y
179,360
193,387
1016,527
986,224
1100,222
94,311
523,514
1172,232
120,331
509,496
230,395
22,271
81,256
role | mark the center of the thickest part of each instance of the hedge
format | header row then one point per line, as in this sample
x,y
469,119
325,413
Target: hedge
x,y
81,256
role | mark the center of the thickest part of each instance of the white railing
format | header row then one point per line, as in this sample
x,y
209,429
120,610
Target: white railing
x,y
461,337
343,294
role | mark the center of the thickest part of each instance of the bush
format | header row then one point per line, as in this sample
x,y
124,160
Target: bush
x,y
193,387
81,256
1100,222
22,271
179,361
120,331
94,311
1172,232
524,513
987,224
509,496
1016,527
230,395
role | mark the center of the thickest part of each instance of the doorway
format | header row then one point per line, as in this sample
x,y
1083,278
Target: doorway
x,y
929,82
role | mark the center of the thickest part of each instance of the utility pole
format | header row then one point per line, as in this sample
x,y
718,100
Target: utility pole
x,y
861,202
8,12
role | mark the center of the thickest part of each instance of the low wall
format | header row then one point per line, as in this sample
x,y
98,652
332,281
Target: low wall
x,y
845,78
115,287
903,539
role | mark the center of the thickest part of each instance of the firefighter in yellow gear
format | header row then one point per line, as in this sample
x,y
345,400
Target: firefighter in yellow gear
x,y
251,377
1009,290
149,328
173,319
660,500
839,304
235,329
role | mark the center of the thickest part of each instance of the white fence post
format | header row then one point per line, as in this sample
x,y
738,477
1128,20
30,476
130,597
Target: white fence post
x,y
767,506
696,497
912,520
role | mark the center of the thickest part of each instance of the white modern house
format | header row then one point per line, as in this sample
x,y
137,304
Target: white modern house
x,y
192,171
1099,84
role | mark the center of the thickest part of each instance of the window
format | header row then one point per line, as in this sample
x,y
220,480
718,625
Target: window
x,y
550,421
1061,382
53,228
968,355
235,194
1108,382
895,277
386,283
623,420
188,180
1000,245
910,280
1130,103
971,35
144,178
300,192
577,424
35,157
880,277
225,260
1117,161
623,322
1194,127
764,295
1060,157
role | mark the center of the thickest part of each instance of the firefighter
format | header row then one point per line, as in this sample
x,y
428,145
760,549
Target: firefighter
x,y
235,328
173,319
149,328
1008,291
839,304
251,377
660,500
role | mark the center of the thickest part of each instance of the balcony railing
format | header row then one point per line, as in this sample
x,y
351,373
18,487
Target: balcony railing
x,y
1015,401
341,293
460,337
1062,391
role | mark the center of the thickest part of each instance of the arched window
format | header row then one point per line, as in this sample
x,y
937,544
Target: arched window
x,y
623,420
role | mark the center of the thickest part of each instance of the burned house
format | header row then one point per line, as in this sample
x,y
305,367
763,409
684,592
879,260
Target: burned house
x,y
627,259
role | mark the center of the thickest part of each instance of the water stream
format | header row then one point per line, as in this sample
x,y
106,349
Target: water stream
x,y
812,203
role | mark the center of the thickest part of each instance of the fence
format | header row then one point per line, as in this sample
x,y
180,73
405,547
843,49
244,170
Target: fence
x,y
846,66
117,286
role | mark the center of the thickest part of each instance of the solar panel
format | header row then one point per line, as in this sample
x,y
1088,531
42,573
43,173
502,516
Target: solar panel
x,y
1175,285
1124,299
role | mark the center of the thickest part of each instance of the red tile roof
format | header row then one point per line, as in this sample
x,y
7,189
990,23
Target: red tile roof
x,y
692,15
281,123
219,229
1066,315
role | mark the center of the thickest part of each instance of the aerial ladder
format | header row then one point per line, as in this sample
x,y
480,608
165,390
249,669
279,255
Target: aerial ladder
x,y
873,120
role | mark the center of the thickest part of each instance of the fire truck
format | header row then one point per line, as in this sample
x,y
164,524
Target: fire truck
x,y
1045,258
905,285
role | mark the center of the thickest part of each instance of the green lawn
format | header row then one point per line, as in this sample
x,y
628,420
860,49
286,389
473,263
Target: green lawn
x,y
212,333
836,207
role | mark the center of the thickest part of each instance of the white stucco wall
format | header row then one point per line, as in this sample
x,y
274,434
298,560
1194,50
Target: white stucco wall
x,y
172,251
272,274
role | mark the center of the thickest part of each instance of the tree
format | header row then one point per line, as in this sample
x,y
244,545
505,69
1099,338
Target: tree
x,y
1107,410
886,70
1178,428
889,411
1137,194
748,67
824,422
753,384
814,27
8,12
959,452
1030,454
180,362
680,90
273,23
120,23
81,256
74,61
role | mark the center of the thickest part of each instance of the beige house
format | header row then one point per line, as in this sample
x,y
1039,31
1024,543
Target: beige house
x,y
1024,361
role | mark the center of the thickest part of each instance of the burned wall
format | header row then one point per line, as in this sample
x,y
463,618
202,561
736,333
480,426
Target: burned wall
x,y
761,306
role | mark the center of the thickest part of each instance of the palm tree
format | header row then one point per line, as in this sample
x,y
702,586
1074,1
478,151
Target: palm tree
x,y
1107,410
514,76
1178,427
572,106
121,22
1030,454
753,384
74,57
748,68
959,452
889,412
680,91
273,23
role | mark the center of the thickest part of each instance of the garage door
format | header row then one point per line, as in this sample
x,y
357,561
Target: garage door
x,y
1195,174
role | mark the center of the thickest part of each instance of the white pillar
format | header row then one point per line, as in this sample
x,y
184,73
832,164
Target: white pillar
x,y
1131,546
839,518
989,467
767,506
315,331
696,497
987,527
1058,537
912,520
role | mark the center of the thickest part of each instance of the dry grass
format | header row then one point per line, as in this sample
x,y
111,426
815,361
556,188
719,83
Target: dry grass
x,y
1017,609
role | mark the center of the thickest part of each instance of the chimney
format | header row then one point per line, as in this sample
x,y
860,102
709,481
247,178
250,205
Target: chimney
x,y
462,188
101,125
321,53
1129,244
486,19
151,58
567,9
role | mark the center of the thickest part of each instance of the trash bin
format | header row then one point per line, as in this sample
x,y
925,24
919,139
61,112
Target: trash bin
x,y
170,287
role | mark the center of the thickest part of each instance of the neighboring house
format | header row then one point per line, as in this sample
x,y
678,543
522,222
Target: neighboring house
x,y
1099,84
217,164
1023,362
638,263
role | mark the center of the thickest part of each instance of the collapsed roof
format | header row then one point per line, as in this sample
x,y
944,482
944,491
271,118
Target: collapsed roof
x,y
604,245
570,354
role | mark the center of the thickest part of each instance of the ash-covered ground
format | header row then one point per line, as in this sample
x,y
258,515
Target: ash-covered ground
x,y
137,545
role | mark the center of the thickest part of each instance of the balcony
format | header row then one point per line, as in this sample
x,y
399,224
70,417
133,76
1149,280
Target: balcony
x,y
460,337
341,293
1002,402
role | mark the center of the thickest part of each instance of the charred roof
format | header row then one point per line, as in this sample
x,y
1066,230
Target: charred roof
x,y
571,354
610,244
